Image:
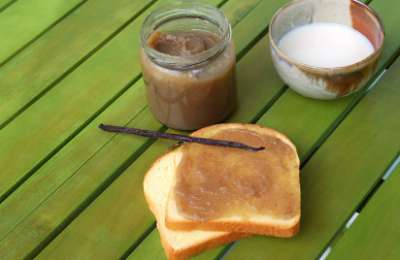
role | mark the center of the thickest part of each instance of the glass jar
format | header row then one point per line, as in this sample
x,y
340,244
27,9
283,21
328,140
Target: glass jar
x,y
188,63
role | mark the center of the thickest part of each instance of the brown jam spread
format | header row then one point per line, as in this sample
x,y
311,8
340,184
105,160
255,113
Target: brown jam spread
x,y
214,182
195,97
182,43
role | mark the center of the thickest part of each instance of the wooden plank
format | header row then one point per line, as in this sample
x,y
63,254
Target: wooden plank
x,y
376,232
147,251
101,169
4,4
339,175
33,71
25,20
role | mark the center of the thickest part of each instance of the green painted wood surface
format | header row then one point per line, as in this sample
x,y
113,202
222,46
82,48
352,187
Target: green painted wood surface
x,y
44,182
69,160
36,17
339,175
149,251
56,53
375,234
4,4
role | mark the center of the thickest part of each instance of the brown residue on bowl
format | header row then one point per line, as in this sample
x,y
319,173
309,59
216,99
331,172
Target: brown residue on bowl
x,y
367,24
344,83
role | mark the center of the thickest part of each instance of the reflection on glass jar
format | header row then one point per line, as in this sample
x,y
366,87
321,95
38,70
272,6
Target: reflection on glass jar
x,y
188,64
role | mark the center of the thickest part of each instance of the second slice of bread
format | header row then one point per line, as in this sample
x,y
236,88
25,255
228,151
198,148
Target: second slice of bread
x,y
257,223
177,244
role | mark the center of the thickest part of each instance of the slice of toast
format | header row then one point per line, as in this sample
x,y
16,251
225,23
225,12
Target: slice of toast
x,y
265,224
177,244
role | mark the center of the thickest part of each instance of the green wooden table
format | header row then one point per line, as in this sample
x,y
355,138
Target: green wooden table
x,y
71,191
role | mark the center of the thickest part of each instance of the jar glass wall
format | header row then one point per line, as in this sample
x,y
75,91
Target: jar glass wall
x,y
188,64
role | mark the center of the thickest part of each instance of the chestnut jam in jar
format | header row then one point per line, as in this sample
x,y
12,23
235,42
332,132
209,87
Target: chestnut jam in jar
x,y
188,63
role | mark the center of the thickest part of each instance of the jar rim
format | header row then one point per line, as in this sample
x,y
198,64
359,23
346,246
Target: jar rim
x,y
201,11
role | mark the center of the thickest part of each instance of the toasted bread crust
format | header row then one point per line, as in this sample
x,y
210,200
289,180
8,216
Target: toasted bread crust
x,y
150,203
241,227
185,253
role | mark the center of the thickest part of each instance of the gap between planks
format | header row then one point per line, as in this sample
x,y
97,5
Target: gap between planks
x,y
5,6
395,162
138,241
52,25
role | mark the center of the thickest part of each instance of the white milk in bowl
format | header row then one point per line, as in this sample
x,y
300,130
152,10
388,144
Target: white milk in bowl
x,y
325,45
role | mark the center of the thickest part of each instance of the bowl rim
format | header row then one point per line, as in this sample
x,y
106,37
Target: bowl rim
x,y
354,66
